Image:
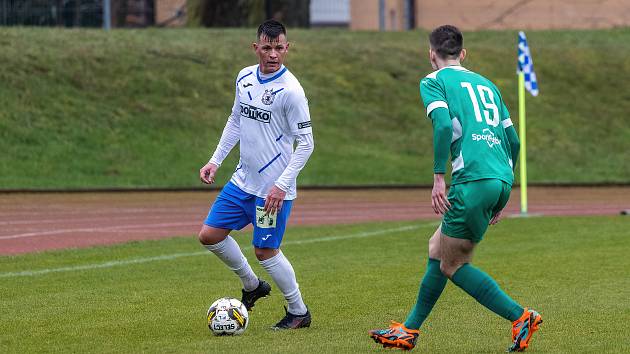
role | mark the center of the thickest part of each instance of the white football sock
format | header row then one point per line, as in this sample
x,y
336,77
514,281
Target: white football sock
x,y
229,252
283,275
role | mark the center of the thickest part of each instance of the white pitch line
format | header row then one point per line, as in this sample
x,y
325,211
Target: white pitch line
x,y
166,257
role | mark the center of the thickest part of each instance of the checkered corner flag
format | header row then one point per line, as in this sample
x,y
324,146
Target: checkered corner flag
x,y
526,65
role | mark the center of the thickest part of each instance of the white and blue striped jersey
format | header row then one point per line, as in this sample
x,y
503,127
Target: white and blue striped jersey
x,y
269,113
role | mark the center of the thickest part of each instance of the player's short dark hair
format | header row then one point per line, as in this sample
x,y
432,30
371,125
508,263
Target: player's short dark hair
x,y
447,41
272,29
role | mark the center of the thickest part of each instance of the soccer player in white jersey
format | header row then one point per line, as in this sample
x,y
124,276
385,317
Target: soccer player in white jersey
x,y
269,115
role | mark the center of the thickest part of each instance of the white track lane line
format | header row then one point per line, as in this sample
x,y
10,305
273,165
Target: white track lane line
x,y
30,221
95,229
166,257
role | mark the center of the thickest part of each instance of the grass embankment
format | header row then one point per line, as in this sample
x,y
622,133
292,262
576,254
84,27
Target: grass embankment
x,y
152,296
129,108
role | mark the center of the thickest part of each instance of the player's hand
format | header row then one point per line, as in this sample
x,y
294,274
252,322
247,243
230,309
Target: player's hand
x,y
273,202
439,201
207,172
495,219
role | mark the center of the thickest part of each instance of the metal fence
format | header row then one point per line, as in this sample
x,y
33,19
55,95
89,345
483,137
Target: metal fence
x,y
76,13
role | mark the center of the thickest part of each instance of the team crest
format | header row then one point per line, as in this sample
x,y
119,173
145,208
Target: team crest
x,y
267,97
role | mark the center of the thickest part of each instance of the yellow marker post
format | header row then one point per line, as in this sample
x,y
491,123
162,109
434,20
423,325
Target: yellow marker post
x,y
522,136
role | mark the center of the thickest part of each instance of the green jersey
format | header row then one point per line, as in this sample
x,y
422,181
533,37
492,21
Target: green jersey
x,y
479,147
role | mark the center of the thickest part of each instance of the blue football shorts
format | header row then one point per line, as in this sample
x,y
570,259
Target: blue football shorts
x,y
234,209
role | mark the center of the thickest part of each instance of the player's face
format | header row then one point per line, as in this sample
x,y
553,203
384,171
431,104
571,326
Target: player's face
x,y
271,52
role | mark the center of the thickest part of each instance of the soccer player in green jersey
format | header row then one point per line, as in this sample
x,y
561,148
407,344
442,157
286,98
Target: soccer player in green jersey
x,y
471,122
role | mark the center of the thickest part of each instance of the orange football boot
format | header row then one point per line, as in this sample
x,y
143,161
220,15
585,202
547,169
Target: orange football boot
x,y
396,336
523,329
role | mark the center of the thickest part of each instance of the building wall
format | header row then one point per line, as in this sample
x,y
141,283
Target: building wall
x,y
364,15
166,11
514,14
502,14
395,15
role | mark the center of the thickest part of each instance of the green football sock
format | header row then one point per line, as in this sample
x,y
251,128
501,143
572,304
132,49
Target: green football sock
x,y
431,288
487,292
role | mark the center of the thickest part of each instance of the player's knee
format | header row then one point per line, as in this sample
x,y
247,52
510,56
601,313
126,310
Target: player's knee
x,y
208,237
448,268
203,237
265,253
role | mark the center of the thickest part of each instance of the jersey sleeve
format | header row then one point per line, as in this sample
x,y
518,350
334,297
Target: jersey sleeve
x,y
504,113
506,121
512,136
297,113
432,94
303,150
236,107
442,135
231,132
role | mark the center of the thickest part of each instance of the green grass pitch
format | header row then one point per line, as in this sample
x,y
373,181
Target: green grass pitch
x,y
152,296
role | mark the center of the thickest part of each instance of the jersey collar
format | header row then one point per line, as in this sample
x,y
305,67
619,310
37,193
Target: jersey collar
x,y
456,67
265,78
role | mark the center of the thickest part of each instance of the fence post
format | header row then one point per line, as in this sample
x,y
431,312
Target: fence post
x,y
381,15
107,15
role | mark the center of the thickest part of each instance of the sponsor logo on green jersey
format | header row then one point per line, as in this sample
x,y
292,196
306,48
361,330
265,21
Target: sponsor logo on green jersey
x,y
488,137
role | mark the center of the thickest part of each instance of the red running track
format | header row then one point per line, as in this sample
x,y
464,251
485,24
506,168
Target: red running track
x,y
46,221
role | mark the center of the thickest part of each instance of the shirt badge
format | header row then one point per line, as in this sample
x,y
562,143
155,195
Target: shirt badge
x,y
267,97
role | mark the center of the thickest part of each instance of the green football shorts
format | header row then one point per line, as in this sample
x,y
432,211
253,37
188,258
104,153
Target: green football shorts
x,y
473,204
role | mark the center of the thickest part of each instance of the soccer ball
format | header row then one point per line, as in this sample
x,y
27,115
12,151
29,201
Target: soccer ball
x,y
227,316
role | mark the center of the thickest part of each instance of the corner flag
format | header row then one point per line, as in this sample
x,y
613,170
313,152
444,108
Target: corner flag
x,y
526,65
526,80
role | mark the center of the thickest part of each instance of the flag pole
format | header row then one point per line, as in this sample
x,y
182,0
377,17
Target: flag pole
x,y
523,150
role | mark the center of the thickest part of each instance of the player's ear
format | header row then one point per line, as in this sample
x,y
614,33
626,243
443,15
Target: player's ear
x,y
254,46
462,55
432,59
